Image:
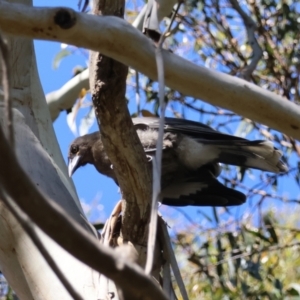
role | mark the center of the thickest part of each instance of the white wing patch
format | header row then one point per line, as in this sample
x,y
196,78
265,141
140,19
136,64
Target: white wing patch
x,y
194,154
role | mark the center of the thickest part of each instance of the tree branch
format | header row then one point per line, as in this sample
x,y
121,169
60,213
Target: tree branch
x,y
53,220
108,87
157,160
64,98
250,28
121,41
30,230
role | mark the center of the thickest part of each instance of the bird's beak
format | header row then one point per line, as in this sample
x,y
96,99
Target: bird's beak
x,y
73,164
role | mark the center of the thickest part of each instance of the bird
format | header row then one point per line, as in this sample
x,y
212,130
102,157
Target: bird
x,y
192,154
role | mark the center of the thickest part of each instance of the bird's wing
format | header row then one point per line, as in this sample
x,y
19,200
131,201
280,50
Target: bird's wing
x,y
217,146
189,128
202,189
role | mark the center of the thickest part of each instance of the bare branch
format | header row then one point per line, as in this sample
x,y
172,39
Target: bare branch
x,y
250,28
108,86
28,227
156,10
169,253
65,97
156,162
139,20
138,52
50,217
257,251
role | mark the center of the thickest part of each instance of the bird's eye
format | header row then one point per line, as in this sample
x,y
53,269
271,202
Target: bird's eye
x,y
74,149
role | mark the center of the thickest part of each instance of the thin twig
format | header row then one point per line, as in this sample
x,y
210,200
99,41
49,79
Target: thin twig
x,y
85,5
250,26
172,259
106,238
27,225
167,278
167,282
265,249
137,92
156,162
6,90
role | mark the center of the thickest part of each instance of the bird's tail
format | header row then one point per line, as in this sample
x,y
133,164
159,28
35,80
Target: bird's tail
x,y
260,155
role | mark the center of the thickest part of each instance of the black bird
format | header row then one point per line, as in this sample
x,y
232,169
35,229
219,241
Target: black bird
x,y
191,155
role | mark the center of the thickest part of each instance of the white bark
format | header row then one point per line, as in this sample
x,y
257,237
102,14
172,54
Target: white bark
x,y
65,97
119,40
139,20
164,8
155,12
39,154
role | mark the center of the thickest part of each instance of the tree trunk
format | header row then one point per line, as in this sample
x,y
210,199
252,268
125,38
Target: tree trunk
x,y
39,154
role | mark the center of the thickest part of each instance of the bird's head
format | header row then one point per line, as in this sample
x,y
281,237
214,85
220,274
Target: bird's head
x,y
80,152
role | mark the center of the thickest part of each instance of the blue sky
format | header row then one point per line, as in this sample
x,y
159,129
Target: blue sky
x,y
95,190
